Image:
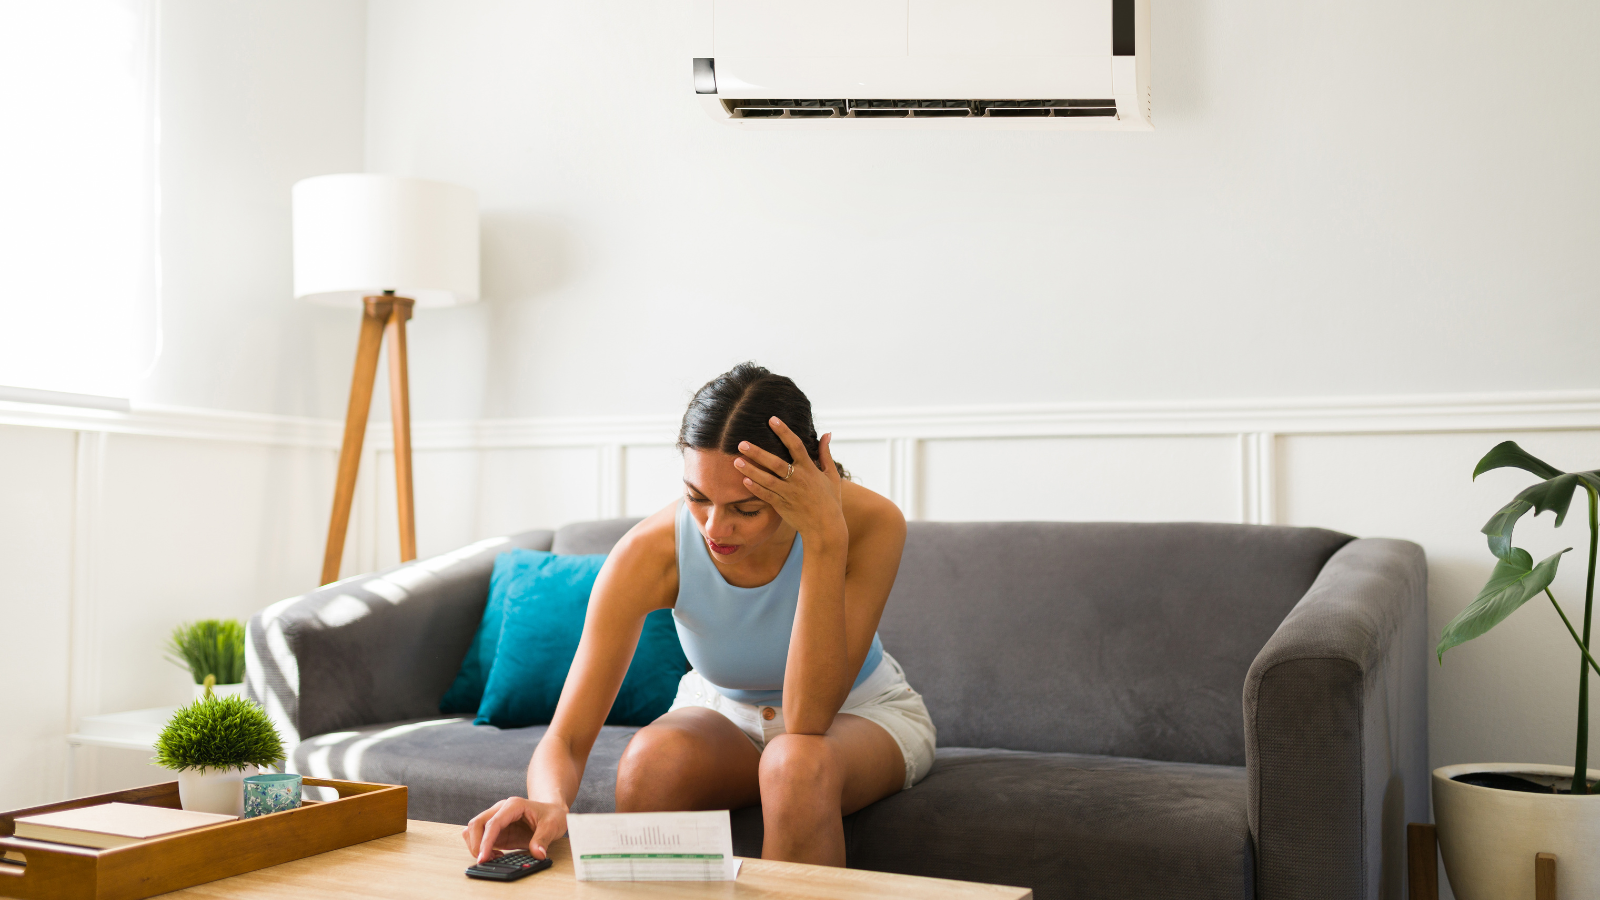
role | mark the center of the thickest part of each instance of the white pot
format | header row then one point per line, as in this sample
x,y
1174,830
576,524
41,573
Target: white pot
x,y
214,790
221,690
1489,836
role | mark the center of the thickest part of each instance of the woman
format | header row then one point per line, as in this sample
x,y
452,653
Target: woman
x,y
776,569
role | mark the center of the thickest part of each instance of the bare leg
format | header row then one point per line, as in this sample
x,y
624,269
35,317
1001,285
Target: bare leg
x,y
690,758
810,782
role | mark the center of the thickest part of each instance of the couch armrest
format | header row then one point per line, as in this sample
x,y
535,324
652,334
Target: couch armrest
x,y
1336,729
372,648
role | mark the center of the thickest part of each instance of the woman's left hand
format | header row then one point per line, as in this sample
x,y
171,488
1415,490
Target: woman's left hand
x,y
809,498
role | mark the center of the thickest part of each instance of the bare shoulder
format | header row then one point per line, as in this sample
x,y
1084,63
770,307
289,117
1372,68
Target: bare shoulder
x,y
653,539
645,561
869,514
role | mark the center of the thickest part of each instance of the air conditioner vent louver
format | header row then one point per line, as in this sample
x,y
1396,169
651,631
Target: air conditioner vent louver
x,y
915,109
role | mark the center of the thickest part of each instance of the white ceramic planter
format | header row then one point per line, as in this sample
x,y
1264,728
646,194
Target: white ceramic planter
x,y
221,690
1489,837
214,790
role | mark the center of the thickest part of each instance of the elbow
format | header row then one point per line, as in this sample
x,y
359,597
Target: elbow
x,y
553,743
811,708
812,726
804,718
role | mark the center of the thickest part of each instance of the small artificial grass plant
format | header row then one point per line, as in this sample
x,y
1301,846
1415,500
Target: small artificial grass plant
x,y
209,647
219,733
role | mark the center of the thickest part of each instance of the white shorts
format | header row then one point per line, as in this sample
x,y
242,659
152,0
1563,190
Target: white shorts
x,y
884,698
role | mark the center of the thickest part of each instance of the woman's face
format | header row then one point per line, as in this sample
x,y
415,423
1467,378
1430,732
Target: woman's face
x,y
733,522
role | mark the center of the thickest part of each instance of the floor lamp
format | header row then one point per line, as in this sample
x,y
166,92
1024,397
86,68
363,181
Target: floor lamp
x,y
385,244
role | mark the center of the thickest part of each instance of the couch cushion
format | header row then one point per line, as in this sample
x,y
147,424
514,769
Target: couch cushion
x,y
455,769
1121,639
1066,825
1062,824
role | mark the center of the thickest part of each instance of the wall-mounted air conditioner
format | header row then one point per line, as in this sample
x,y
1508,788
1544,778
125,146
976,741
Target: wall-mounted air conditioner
x,y
1073,64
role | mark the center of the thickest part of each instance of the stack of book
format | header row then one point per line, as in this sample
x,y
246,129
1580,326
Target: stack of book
x,y
110,825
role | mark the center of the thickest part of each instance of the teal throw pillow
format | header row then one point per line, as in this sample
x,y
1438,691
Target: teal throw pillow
x,y
545,597
466,692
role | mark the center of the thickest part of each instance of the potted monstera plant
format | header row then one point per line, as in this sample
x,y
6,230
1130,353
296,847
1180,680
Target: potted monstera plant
x,y
1494,818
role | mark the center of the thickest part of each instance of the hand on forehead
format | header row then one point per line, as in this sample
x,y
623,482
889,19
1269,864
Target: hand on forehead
x,y
714,476
772,462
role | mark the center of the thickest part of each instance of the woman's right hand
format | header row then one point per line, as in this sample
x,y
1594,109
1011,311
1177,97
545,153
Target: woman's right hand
x,y
513,824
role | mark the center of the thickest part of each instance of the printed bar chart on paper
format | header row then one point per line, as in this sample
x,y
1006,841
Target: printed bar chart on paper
x,y
669,846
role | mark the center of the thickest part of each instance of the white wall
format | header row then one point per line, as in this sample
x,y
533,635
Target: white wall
x,y
36,476
115,528
1337,199
255,95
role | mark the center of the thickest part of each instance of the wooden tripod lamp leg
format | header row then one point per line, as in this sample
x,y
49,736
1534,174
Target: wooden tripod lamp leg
x,y
400,412
355,429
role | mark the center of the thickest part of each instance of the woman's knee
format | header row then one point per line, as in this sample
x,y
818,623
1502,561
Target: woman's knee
x,y
651,766
800,765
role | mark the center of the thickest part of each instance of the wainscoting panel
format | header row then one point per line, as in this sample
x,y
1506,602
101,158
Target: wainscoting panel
x,y
652,478
37,473
193,530
537,488
1194,478
450,494
867,462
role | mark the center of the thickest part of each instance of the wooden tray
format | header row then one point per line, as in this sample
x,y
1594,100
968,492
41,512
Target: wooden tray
x,y
363,812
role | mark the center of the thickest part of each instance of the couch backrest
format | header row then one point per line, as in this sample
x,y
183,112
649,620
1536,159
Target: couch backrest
x,y
373,648
1123,639
591,537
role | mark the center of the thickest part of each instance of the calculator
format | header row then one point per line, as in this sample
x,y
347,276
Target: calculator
x,y
509,867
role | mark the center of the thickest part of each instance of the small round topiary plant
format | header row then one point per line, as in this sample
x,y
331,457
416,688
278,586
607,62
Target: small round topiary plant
x,y
219,733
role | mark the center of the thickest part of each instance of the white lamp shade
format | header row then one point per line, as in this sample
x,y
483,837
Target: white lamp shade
x,y
357,235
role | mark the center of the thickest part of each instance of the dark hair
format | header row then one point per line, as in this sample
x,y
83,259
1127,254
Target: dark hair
x,y
736,406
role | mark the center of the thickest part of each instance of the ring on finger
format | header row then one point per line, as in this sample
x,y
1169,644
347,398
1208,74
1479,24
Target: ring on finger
x,y
786,475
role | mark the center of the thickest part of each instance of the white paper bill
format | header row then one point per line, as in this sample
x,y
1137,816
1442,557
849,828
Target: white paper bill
x,y
665,846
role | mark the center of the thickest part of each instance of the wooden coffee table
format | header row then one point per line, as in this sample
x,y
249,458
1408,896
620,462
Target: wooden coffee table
x,y
427,861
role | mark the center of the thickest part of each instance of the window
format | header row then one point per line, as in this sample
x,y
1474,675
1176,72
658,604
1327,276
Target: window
x,y
78,260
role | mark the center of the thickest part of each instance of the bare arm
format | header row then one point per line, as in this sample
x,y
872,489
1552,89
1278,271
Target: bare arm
x,y
637,579
639,576
814,685
853,540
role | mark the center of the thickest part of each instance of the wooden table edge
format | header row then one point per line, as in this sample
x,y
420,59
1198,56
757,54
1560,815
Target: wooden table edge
x,y
437,843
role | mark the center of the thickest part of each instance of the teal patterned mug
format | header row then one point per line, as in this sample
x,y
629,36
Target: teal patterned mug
x,y
264,794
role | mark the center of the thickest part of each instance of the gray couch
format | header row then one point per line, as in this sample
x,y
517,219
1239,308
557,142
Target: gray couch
x,y
1124,710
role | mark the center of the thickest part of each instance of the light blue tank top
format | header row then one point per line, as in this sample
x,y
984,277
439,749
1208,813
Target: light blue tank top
x,y
738,638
